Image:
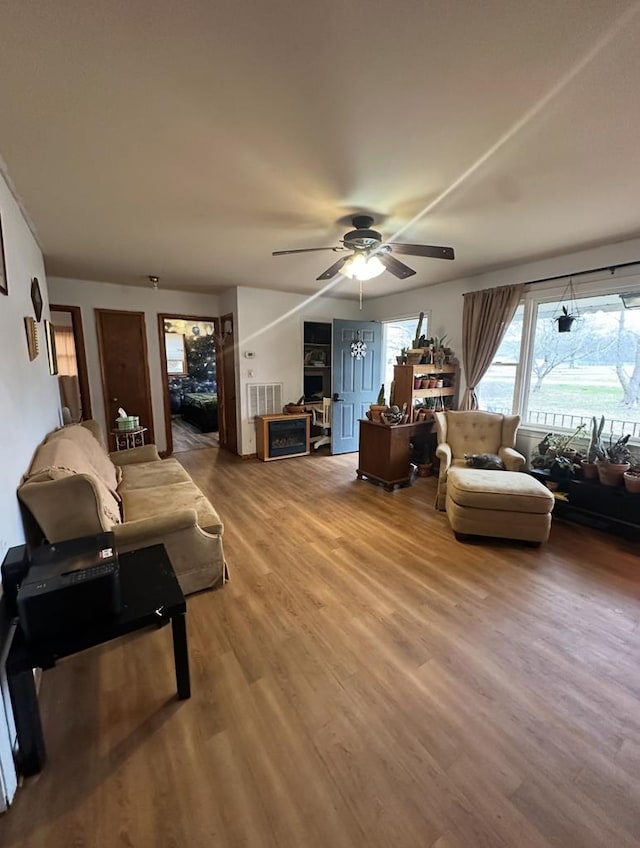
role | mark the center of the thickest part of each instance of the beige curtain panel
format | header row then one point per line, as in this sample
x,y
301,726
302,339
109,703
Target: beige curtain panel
x,y
65,351
485,318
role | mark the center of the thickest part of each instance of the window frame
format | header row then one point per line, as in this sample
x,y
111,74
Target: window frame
x,y
616,282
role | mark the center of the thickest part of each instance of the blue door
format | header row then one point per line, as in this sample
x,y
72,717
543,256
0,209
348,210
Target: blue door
x,y
355,369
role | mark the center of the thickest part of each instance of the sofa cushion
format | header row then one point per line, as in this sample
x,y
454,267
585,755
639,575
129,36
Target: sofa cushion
x,y
92,450
144,475
161,500
506,491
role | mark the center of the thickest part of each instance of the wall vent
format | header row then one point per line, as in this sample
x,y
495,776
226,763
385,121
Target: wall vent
x,y
264,399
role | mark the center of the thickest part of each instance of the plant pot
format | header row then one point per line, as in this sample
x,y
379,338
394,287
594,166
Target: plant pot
x,y
632,483
400,360
612,474
376,410
417,382
589,470
564,323
293,409
432,382
425,470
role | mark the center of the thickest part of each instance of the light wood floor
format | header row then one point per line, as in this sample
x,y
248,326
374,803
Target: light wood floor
x,y
363,680
187,437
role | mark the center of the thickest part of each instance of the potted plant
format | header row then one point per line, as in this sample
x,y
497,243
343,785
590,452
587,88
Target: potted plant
x,y
632,480
376,409
565,320
595,449
614,461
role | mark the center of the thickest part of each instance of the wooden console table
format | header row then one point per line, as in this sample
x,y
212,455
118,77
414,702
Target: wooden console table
x,y
385,449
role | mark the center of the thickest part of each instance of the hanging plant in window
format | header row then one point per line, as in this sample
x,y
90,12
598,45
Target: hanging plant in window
x,y
569,312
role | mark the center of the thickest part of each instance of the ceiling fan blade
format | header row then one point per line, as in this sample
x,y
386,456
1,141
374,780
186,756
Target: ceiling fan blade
x,y
304,250
335,268
430,250
395,267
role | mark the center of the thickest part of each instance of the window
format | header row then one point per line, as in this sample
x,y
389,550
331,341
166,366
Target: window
x,y
176,354
398,334
591,370
561,379
497,388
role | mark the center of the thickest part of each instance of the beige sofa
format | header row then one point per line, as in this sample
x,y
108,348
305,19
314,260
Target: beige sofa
x,y
75,488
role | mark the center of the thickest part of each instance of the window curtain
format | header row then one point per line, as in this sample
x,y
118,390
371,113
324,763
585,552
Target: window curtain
x,y
486,315
65,351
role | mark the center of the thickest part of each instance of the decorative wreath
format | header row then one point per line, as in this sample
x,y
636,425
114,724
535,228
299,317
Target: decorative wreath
x,y
358,349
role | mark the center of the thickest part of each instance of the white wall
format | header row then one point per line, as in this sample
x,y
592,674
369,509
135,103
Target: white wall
x,y
90,295
270,323
30,406
444,301
29,398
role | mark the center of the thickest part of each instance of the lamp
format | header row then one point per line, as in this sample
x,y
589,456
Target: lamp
x,y
362,267
631,300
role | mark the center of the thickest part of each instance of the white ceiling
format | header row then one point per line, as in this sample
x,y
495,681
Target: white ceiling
x,y
191,139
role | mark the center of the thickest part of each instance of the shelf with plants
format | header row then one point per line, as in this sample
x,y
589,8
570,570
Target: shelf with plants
x,y
406,389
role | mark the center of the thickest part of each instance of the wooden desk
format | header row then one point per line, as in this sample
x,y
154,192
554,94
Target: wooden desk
x,y
384,451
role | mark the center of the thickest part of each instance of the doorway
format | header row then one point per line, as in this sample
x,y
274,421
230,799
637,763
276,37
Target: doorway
x,y
73,379
190,380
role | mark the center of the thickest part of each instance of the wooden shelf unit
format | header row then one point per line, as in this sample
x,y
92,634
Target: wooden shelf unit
x,y
316,348
403,380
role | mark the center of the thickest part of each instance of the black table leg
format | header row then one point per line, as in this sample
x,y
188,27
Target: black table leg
x,y
181,655
26,714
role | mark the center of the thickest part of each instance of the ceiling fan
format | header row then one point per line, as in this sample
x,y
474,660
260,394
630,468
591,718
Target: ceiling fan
x,y
370,255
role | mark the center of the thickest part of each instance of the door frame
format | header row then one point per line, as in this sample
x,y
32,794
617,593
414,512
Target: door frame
x,y
162,317
145,361
81,355
230,354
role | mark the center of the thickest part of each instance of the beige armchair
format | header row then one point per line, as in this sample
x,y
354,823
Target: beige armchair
x,y
461,433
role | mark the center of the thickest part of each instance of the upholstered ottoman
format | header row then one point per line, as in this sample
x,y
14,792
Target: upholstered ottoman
x,y
508,504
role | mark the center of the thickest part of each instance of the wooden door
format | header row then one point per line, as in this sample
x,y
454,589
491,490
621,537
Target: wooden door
x,y
356,376
122,342
227,417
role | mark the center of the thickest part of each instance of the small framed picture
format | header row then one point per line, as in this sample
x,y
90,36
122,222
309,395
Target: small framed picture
x,y
52,356
4,285
36,298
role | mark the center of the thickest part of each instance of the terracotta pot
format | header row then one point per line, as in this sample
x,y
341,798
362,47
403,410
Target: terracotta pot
x,y
632,483
293,409
425,470
589,470
612,474
376,410
425,383
417,382
432,382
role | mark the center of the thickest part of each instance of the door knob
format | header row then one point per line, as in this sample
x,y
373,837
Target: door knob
x,y
337,398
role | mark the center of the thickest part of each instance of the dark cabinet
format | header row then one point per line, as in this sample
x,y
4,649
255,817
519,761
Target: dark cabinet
x,y
385,451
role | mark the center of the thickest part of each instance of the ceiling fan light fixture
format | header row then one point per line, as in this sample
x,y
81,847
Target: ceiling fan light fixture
x,y
363,267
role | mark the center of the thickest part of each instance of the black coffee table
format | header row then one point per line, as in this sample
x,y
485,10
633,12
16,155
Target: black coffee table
x,y
151,597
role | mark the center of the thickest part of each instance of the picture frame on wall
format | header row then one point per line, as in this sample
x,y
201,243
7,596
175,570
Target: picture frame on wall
x,y
52,355
4,284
